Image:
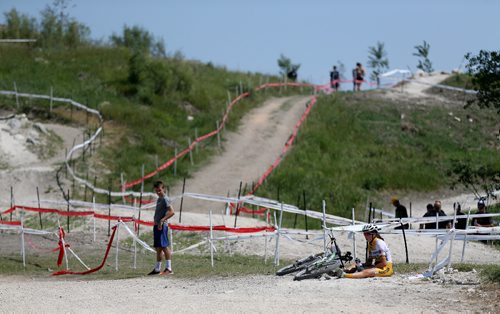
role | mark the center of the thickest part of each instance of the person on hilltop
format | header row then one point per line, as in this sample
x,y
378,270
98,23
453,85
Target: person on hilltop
x,y
163,212
400,211
360,75
334,78
379,261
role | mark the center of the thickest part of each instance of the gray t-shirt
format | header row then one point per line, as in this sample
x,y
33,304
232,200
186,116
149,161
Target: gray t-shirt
x,y
162,205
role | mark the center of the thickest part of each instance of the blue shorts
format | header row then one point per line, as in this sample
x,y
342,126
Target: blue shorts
x,y
161,236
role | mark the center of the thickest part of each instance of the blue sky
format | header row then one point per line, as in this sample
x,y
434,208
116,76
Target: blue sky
x,y
251,35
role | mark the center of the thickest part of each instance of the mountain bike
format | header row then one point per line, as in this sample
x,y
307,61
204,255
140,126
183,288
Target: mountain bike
x,y
300,264
329,263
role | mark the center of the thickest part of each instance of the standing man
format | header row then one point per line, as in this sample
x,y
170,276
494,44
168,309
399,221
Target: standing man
x,y
400,211
482,221
334,79
163,212
360,75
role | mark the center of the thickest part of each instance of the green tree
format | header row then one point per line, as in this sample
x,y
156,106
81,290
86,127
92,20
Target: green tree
x,y
18,26
377,60
137,38
424,63
485,71
288,68
58,29
480,179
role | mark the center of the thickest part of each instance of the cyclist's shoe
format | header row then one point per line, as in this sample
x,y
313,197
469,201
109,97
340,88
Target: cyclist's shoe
x,y
154,272
339,273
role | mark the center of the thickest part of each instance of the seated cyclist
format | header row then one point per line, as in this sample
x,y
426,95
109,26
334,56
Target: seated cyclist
x,y
379,262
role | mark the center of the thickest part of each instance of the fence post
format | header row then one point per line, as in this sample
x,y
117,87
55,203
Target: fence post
x,y
175,161
237,205
195,138
17,96
218,133
190,152
39,213
67,218
109,207
11,200
51,101
182,198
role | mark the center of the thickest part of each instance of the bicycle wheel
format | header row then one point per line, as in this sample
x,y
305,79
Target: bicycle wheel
x,y
315,271
299,265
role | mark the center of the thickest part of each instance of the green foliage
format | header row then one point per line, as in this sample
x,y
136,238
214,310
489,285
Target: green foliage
x,y
485,71
377,60
491,273
287,67
481,179
139,40
18,25
353,148
55,30
424,63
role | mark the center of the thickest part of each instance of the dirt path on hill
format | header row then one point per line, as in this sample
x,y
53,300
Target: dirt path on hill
x,y
248,152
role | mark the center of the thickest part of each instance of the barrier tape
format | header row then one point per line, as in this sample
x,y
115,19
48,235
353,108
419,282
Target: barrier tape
x,y
68,272
11,223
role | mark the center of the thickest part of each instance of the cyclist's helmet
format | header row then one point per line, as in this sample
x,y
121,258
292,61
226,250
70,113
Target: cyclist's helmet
x,y
481,203
370,228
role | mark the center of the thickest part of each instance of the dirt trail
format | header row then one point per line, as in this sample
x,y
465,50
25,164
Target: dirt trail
x,y
246,153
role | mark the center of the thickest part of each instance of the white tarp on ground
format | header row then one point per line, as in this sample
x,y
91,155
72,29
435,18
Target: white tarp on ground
x,y
395,72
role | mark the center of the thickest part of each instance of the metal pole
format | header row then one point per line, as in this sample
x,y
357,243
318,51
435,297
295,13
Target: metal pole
x,y
39,213
277,251
17,96
218,134
195,138
182,198
11,200
465,237
305,213
295,220
237,205
210,239
353,235
404,238
109,207
23,251
190,152
324,226
67,218
117,243
175,161
140,206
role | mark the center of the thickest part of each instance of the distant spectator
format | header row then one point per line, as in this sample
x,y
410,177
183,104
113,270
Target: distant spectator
x,y
400,211
429,213
360,75
461,222
445,224
433,211
334,79
482,221
354,73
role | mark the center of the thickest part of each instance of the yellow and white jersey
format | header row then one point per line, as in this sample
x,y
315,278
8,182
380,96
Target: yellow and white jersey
x,y
378,248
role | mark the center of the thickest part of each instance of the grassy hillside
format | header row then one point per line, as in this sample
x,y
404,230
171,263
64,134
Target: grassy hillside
x,y
360,146
146,118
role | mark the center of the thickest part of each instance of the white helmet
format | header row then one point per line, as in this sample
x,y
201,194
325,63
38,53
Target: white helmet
x,y
370,228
